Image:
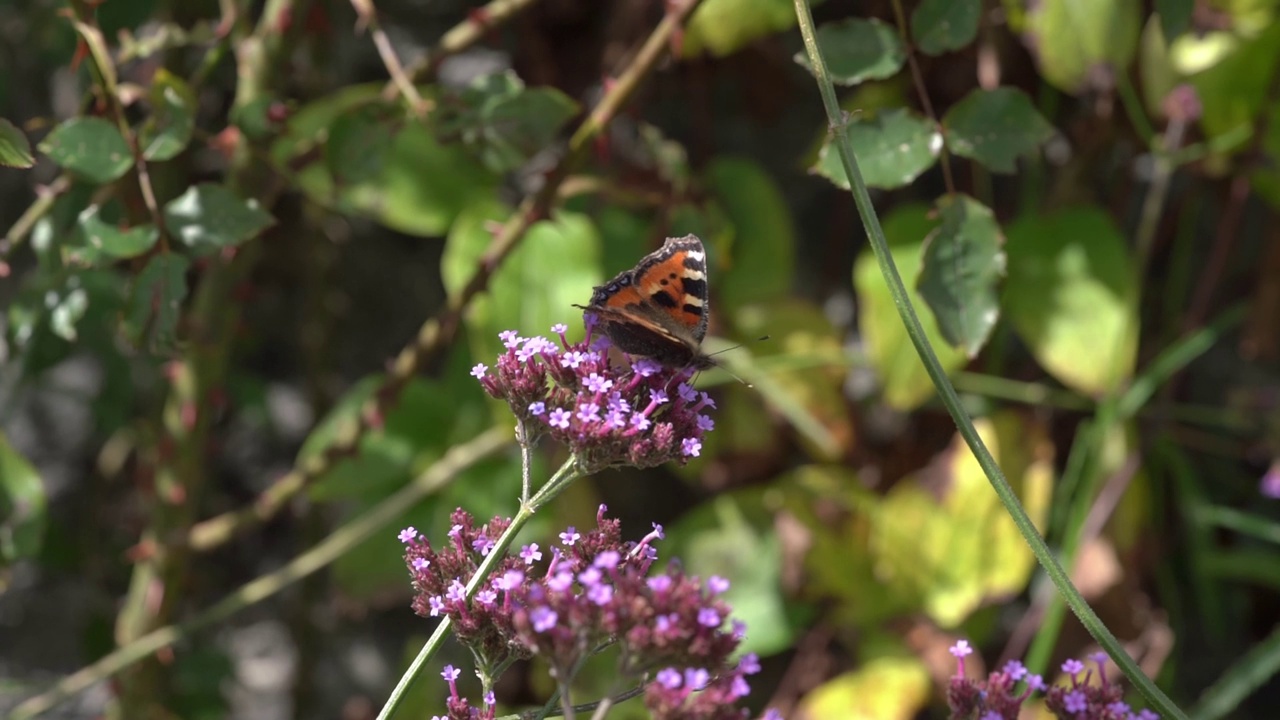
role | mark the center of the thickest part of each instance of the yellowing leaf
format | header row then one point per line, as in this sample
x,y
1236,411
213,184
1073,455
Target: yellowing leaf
x,y
887,688
943,537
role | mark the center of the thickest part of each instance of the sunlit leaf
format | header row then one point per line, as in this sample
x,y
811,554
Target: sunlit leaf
x,y
1070,295
90,147
520,298
905,383
15,149
761,256
208,217
22,506
886,688
168,129
996,127
942,537
857,50
1073,37
155,302
963,263
105,239
892,149
938,26
722,27
1235,89
505,122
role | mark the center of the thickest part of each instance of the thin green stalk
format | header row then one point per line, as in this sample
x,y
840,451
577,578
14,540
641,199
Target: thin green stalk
x,y
567,473
950,399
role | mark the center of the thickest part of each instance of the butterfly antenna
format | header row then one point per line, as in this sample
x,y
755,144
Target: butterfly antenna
x,y
735,347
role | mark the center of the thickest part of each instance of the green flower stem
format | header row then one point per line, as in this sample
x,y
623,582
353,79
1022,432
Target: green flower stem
x,y
902,301
567,473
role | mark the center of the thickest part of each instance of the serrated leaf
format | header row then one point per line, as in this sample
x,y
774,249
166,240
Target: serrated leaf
x,y
963,263
1073,38
103,239
357,145
857,50
995,127
15,149
762,252
892,148
1070,295
505,122
905,383
155,302
208,217
722,27
89,147
168,130
22,506
939,26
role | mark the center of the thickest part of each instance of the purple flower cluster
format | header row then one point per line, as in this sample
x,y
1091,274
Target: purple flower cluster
x,y
997,697
459,707
593,591
642,415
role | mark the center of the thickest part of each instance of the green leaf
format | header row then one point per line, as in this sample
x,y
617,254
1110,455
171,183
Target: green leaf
x,y
505,122
963,263
939,26
22,506
1234,91
100,238
857,50
722,27
762,250
15,149
942,539
1070,295
89,147
1175,17
155,302
905,383
358,144
565,248
168,130
733,537
208,217
883,688
892,148
1073,37
995,127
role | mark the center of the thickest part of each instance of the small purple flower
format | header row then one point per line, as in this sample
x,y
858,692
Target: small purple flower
x,y
1270,485
1075,701
644,367
543,618
421,564
1035,683
717,584
479,370
706,424
559,418
408,535
708,402
607,560
669,678
437,605
530,554
659,583
738,629
1119,708
1015,670
572,359
640,422
536,409
450,673
596,383
510,339
457,592
749,664
771,714
455,532
616,420
560,582
691,447
991,715
658,396
510,580
601,594
490,699
696,678
961,649
559,329
687,393
486,597
708,617
1072,667
569,536
483,545
590,577
589,412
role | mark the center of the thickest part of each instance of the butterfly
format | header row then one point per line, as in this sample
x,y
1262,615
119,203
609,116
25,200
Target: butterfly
x,y
658,309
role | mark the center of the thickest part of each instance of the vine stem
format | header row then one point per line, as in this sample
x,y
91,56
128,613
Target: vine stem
x,y
902,302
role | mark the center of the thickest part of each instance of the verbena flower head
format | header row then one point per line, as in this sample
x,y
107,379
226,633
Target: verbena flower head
x,y
642,415
590,591
1001,694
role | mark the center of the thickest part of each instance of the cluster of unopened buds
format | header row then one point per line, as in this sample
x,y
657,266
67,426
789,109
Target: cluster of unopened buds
x,y
1000,696
590,591
643,415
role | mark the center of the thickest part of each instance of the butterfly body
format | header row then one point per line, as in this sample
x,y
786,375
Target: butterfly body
x,y
658,309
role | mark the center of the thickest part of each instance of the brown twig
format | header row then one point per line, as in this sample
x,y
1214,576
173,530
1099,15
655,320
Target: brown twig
x,y
917,79
369,18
